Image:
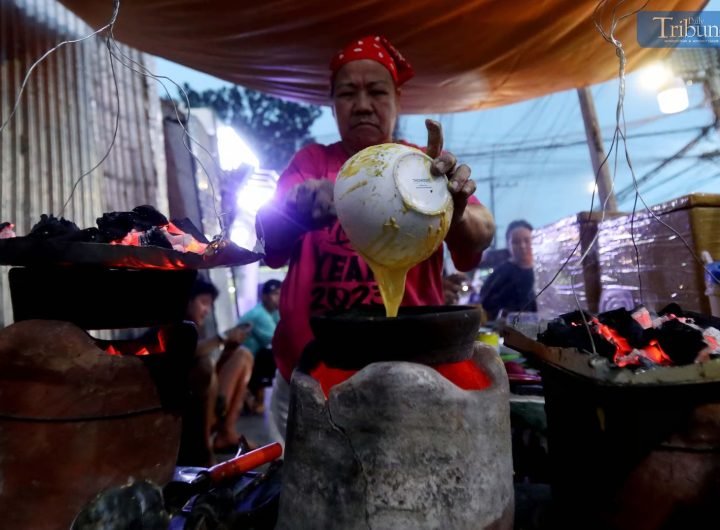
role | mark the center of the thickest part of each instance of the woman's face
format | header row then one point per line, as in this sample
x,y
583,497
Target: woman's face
x,y
365,104
520,245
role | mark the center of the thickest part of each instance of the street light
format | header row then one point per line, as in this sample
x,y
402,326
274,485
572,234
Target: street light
x,y
673,97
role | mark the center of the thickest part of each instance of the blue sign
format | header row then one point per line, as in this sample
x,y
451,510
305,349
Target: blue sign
x,y
678,29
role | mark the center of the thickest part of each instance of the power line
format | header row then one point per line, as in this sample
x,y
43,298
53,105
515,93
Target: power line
x,y
628,190
562,145
536,105
673,177
702,181
502,142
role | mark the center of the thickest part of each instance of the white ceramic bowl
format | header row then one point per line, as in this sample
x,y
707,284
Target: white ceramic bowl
x,y
393,209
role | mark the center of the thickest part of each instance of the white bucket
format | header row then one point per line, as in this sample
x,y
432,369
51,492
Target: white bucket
x,y
393,210
713,294
712,284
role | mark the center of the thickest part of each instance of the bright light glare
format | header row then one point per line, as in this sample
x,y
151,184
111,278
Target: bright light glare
x,y
654,76
233,151
592,187
674,98
253,194
242,235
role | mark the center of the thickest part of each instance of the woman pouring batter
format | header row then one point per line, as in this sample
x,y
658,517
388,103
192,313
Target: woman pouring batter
x,y
300,227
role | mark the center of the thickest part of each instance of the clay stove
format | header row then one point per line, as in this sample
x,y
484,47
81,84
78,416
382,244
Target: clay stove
x,y
78,415
398,424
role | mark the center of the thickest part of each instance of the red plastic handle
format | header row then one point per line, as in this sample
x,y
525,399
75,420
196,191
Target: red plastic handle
x,y
243,463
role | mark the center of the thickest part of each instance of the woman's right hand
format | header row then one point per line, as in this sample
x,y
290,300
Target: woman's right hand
x,y
311,204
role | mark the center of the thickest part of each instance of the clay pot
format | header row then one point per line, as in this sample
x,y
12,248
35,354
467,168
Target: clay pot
x,y
74,421
428,335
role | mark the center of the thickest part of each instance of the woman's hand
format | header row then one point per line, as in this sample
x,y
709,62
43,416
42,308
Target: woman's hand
x,y
460,185
311,204
472,227
307,206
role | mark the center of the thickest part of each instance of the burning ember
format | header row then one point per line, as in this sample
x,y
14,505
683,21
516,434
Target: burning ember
x,y
635,338
139,239
112,350
168,233
143,226
7,230
151,343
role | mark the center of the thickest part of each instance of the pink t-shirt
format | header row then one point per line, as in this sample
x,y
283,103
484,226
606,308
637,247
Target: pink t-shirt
x,y
325,273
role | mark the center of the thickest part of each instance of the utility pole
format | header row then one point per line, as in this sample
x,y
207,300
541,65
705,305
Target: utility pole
x,y
597,151
711,84
493,183
491,180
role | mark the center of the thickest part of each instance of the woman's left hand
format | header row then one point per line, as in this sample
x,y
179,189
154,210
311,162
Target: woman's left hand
x,y
460,185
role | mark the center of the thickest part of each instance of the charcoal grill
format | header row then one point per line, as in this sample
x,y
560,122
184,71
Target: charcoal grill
x,y
629,450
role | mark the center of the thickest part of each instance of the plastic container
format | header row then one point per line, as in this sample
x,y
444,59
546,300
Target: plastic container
x,y
489,337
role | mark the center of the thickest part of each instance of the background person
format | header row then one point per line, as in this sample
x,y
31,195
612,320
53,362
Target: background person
x,y
510,286
218,387
264,318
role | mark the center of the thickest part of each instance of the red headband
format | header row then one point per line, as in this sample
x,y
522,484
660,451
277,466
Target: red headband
x,y
376,48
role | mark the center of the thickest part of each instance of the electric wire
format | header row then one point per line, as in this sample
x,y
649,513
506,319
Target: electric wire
x,y
112,140
43,57
28,74
620,52
144,71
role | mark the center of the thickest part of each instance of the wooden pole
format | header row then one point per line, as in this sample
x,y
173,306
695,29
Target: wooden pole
x,y
597,151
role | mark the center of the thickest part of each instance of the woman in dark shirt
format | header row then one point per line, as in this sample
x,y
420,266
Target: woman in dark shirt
x,y
510,286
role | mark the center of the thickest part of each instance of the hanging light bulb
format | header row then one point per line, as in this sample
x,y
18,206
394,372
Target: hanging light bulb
x,y
673,97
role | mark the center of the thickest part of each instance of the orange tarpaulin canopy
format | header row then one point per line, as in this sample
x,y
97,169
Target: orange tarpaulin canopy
x,y
468,54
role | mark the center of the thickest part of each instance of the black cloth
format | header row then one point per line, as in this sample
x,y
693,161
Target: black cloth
x,y
263,370
509,287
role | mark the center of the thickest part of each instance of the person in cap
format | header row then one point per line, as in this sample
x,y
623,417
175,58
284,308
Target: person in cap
x,y
300,228
264,318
